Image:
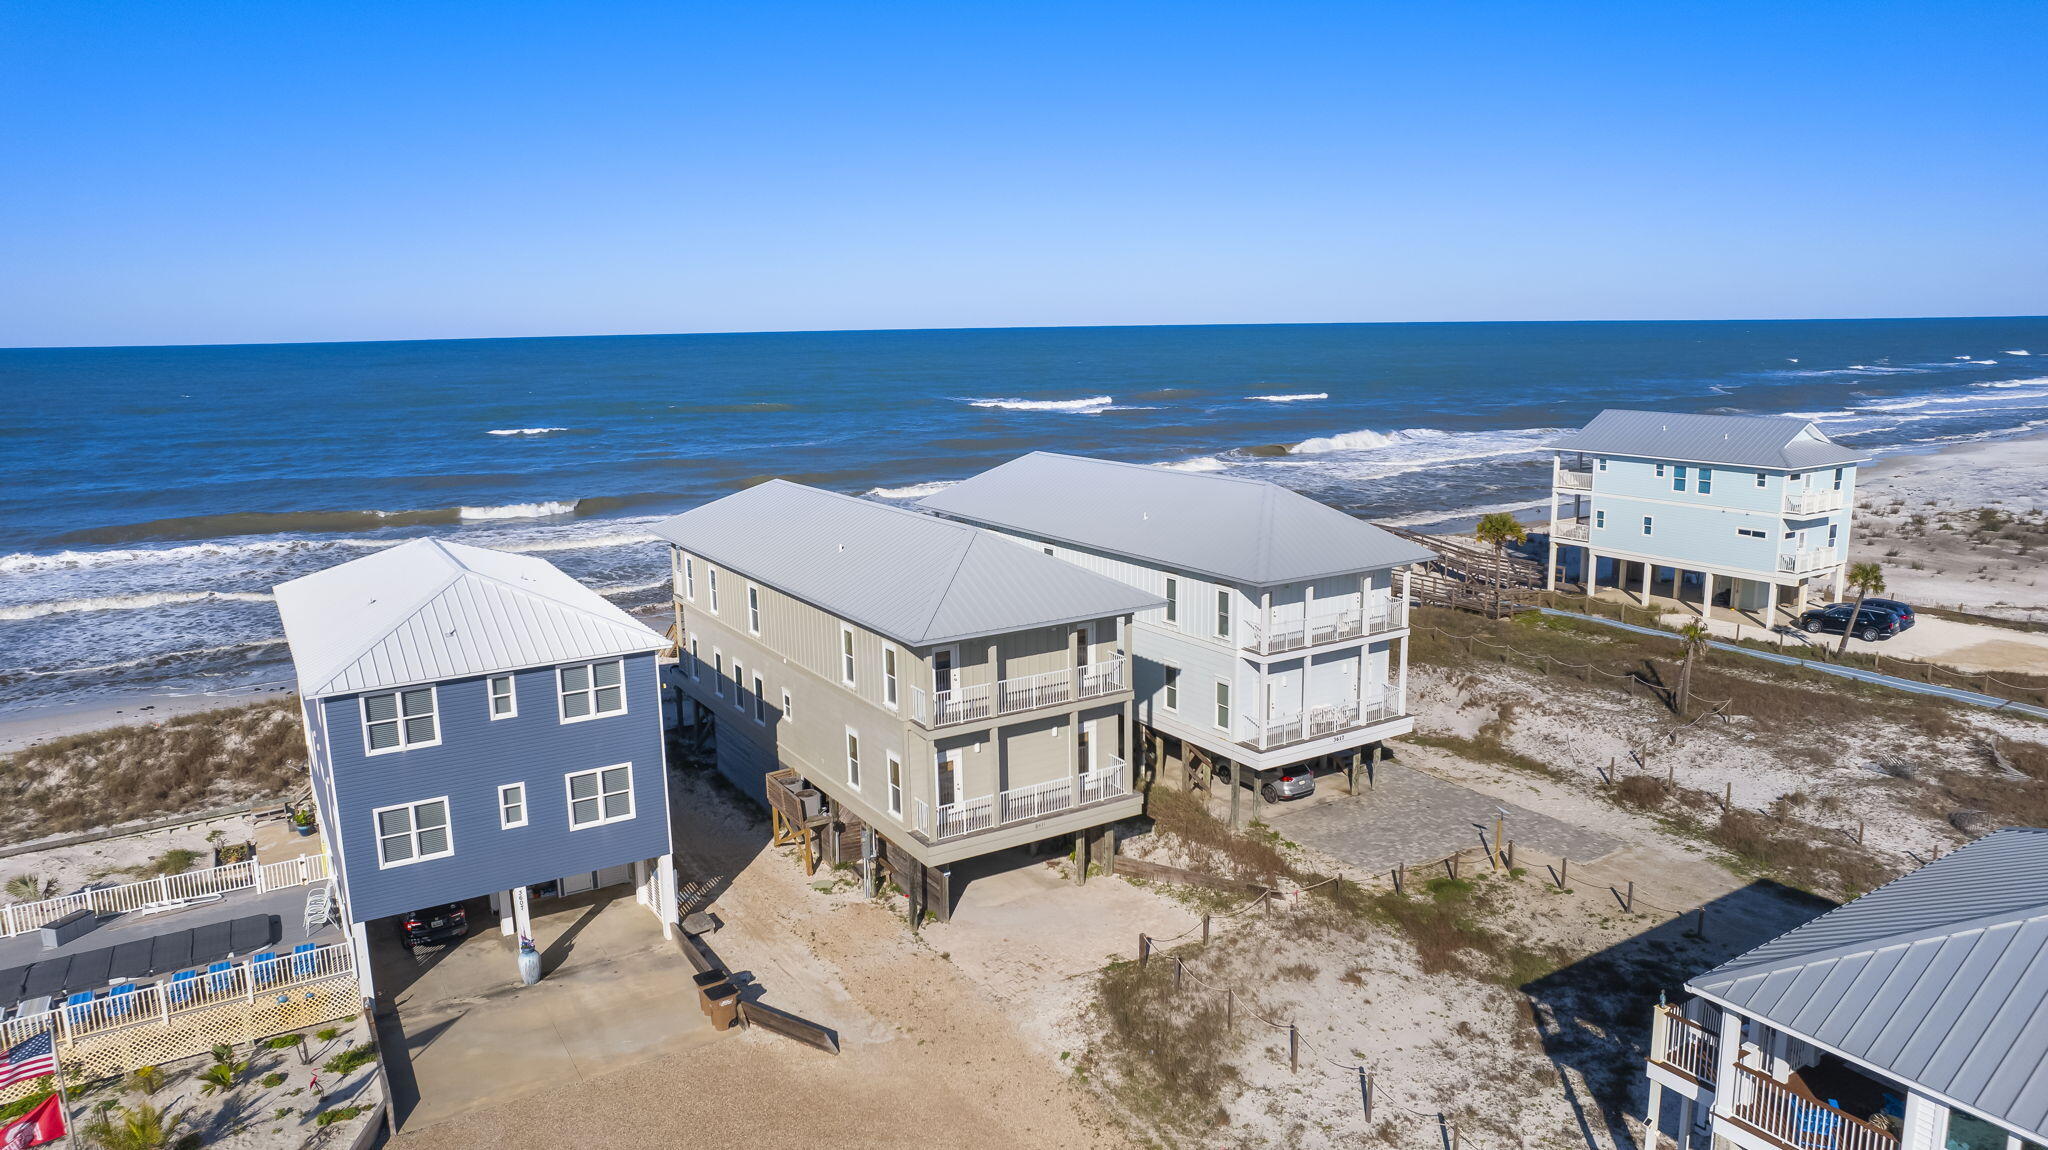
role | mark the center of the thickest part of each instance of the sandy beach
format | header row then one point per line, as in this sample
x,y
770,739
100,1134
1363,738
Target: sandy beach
x,y
1960,528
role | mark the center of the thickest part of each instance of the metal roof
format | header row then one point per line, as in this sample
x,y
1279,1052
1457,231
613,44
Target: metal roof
x,y
428,611
1780,442
1939,978
1237,530
917,579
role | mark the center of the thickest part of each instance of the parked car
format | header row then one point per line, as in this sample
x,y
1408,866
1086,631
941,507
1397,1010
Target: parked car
x,y
1297,782
1904,611
1872,623
433,925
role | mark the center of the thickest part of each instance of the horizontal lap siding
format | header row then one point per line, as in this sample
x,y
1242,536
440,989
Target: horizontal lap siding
x,y
476,755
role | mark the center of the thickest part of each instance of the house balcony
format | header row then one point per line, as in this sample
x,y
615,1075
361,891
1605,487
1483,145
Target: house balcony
x,y
1813,503
1570,530
1789,1116
972,704
1811,559
1326,627
1684,1048
1315,723
1022,804
1573,479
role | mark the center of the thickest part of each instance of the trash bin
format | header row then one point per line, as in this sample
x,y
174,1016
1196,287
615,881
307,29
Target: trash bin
x,y
722,1005
706,982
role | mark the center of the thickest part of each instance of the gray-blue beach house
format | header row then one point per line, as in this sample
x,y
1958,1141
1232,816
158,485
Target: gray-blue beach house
x,y
1750,513
478,724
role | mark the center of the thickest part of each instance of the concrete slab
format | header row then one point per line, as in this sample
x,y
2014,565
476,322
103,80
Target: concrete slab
x,y
1410,817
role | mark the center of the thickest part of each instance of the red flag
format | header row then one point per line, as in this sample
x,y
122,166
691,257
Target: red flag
x,y
43,1124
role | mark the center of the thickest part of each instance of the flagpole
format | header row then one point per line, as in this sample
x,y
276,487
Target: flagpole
x,y
63,1099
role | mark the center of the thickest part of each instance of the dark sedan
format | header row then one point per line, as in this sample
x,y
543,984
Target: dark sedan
x,y
1872,623
433,925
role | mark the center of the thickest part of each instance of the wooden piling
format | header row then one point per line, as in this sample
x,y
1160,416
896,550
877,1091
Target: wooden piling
x,y
1144,950
1293,1049
1629,904
1205,930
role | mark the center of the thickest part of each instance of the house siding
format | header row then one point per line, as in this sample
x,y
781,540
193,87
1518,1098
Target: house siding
x,y
1702,532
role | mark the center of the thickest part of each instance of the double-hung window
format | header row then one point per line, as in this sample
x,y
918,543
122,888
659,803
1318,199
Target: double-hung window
x,y
1649,525
760,702
1173,600
1599,518
590,690
1660,471
753,610
895,784
739,686
1838,478
689,579
1762,480
1706,481
600,796
413,832
1831,534
788,708
1223,705
846,655
696,660
1223,612
718,672
400,720
711,573
512,805
504,703
853,758
889,676
1602,463
1172,701
1678,477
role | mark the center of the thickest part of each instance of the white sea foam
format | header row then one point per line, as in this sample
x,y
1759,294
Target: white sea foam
x,y
913,491
1422,517
27,562
129,602
1986,362
1093,405
521,510
1367,440
1302,398
1199,463
2016,351
2010,383
629,588
581,542
150,660
526,430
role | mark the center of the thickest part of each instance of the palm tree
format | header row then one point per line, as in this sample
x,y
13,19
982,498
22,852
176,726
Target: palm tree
x,y
1497,529
1695,636
221,1076
30,888
1868,579
148,1079
140,1127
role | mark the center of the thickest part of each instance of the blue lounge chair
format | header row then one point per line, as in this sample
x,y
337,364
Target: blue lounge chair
x,y
1819,1127
120,999
78,1006
179,989
303,962
263,966
220,978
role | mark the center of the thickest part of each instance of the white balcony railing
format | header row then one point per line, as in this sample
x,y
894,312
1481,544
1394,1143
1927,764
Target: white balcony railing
x,y
1811,559
1023,693
1325,627
1813,502
1577,530
1680,1044
1569,479
1315,723
1019,804
1793,1121
167,892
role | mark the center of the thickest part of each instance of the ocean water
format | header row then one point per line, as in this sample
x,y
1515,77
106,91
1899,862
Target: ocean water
x,y
150,497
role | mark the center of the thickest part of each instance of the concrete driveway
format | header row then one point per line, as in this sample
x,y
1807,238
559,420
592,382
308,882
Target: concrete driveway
x,y
613,993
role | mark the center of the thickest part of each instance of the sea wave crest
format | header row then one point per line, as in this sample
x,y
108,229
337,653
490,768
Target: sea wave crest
x,y
520,510
525,430
1093,405
129,602
913,491
1302,398
1366,440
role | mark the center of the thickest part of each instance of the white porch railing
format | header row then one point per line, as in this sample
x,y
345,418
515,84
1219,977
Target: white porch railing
x,y
964,818
1810,559
1813,502
169,889
1574,530
1796,1122
1019,804
1328,627
1678,1043
1575,479
1316,723
1021,693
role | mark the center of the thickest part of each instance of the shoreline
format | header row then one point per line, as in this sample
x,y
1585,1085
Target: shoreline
x,y
36,724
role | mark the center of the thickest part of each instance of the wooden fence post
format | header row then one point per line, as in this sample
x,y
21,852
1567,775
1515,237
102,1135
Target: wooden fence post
x,y
1365,1091
1144,950
1400,878
1293,1049
1629,904
1511,854
1205,930
1176,972
1564,872
1230,1010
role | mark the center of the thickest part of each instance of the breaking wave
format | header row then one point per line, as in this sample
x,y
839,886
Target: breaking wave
x,y
913,491
129,602
1305,396
525,430
1093,405
520,510
1199,463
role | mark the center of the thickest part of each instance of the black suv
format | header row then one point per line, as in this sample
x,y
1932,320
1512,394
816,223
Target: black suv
x,y
433,925
1872,623
1904,611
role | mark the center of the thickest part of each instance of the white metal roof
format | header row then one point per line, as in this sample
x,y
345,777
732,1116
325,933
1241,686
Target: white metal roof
x,y
1939,979
917,579
427,611
1779,442
1238,530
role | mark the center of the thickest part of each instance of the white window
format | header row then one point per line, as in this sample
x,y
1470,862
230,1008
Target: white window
x,y
788,708
846,655
760,703
1762,480
1838,478
512,805
1660,471
413,832
1603,464
1706,481
754,609
718,672
1792,478
895,784
739,686
712,574
1831,535
1752,532
689,579
853,758
1172,599
1223,705
1648,525
1172,688
1223,612
400,720
1678,478
889,676
696,661
504,704
602,796
590,690
1599,518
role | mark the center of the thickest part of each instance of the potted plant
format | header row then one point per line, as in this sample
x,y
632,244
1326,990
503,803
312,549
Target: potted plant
x,y
302,818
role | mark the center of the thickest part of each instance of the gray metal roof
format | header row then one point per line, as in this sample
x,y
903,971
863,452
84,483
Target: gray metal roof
x,y
914,578
1237,530
1779,442
1939,978
428,611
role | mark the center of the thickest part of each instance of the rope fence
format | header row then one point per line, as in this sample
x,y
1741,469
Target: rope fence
x,y
1586,670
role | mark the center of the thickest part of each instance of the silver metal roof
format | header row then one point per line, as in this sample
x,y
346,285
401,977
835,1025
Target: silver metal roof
x,y
1939,978
1779,442
917,579
428,611
1237,530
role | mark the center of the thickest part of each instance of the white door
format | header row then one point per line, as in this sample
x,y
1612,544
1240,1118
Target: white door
x,y
577,883
615,875
1282,692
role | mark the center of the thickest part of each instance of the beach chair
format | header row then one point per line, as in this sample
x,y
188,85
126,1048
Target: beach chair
x,y
120,999
220,978
319,905
304,961
1818,1127
263,967
179,990
79,1008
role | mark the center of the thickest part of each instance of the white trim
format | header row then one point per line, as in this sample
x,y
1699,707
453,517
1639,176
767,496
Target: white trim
x,y
562,693
753,609
739,687
511,694
1171,615
398,697
696,662
689,578
892,688
852,761
413,831
849,667
711,581
1225,707
760,701
1169,687
895,780
569,796
788,707
718,672
1226,614
525,813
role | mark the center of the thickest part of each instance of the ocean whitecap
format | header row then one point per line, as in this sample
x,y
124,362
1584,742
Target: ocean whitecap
x,y
1093,405
1304,397
526,430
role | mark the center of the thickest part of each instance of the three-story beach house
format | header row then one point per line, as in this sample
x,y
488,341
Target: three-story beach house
x,y
1280,635
941,686
1758,505
1913,1018
479,724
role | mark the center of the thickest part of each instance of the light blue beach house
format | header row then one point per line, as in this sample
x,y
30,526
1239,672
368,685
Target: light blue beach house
x,y
1746,512
479,724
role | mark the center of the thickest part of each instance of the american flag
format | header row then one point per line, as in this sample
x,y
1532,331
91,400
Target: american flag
x,y
31,1058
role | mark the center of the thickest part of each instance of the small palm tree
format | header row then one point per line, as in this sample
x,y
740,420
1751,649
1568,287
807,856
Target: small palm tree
x,y
141,1127
1695,636
1868,579
29,888
1497,529
147,1079
222,1076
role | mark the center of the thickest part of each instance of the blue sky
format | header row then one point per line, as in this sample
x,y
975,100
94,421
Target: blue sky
x,y
206,172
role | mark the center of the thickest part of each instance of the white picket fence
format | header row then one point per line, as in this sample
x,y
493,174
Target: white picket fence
x,y
21,918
